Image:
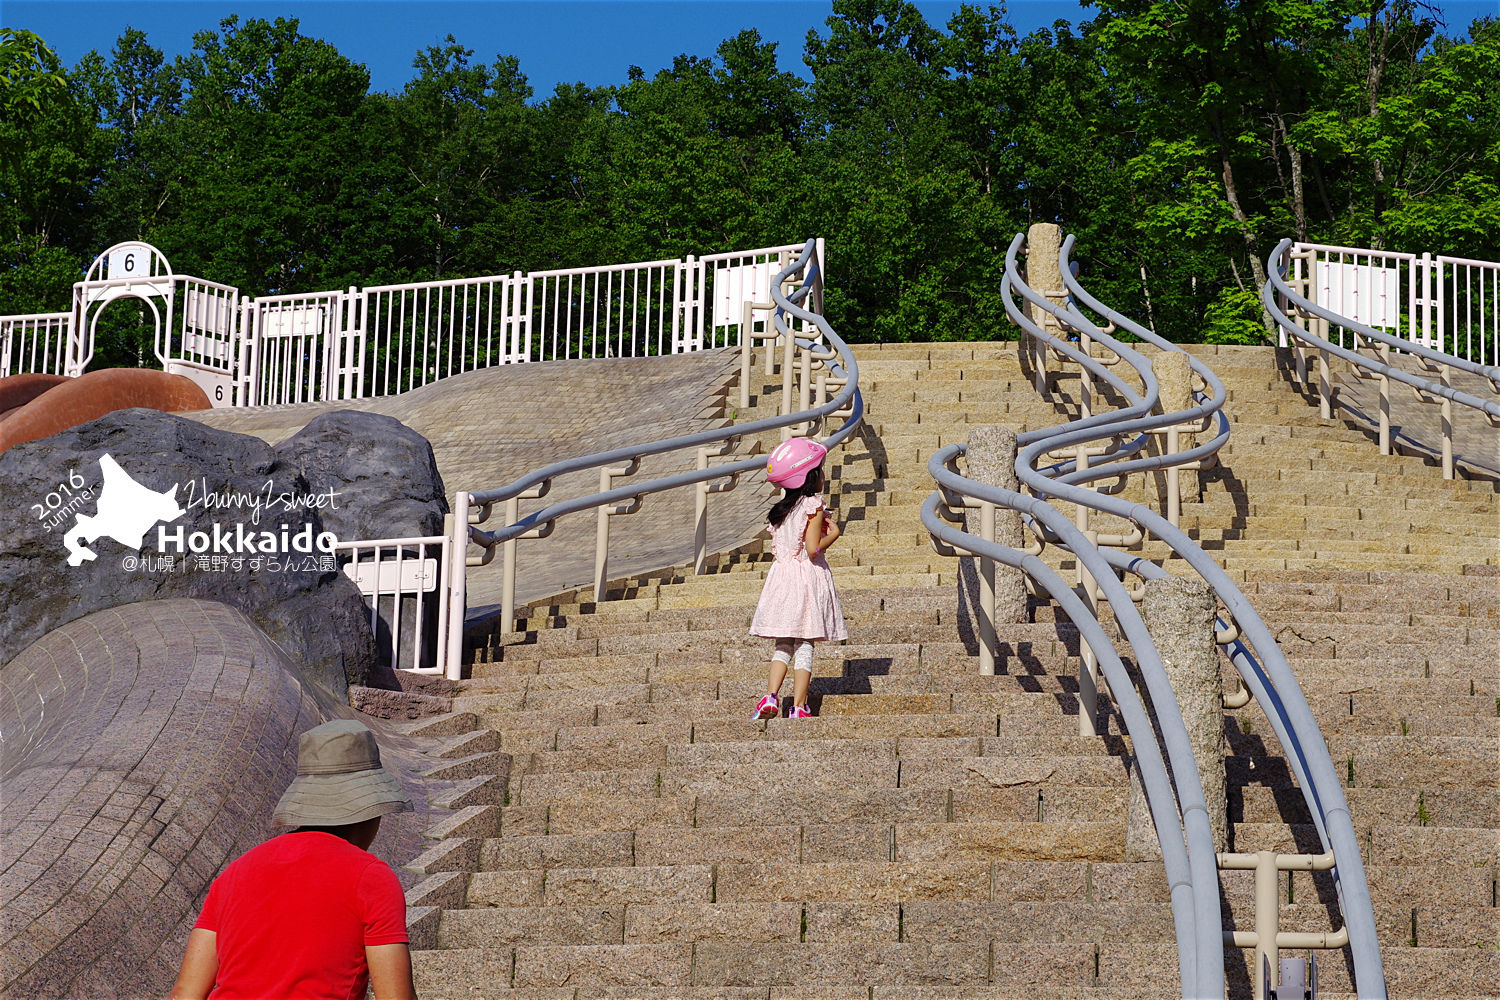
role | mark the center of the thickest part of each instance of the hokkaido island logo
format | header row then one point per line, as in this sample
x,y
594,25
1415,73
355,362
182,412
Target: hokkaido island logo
x,y
126,511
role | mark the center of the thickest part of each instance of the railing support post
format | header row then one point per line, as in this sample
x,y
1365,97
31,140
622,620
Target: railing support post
x,y
997,594
1088,662
1267,954
607,476
1385,402
601,541
788,365
700,519
805,389
1447,410
1267,939
1179,614
747,317
508,571
702,491
1174,376
458,545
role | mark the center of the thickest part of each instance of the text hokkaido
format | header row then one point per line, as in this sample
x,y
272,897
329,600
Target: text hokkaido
x,y
238,541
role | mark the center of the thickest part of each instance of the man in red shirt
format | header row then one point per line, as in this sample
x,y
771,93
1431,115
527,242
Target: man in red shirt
x,y
310,914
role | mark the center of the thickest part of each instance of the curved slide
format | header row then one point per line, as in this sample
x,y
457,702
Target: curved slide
x,y
33,407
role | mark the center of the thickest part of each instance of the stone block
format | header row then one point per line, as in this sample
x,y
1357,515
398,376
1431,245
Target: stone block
x,y
653,923
618,886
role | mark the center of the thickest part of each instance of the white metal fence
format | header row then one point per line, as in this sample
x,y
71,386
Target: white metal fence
x,y
1468,303
1450,304
386,339
413,334
613,312
36,343
205,346
405,584
294,346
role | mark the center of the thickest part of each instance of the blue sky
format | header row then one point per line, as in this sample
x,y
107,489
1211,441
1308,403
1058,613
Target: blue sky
x,y
593,41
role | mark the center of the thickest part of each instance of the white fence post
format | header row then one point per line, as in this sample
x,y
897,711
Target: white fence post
x,y
79,350
453,633
518,322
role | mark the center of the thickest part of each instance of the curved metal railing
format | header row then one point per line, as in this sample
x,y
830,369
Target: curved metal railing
x,y
803,329
1308,323
1187,847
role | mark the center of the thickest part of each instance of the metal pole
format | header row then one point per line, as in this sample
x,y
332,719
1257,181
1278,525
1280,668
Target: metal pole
x,y
1174,487
601,542
1447,425
804,392
700,530
788,356
458,589
508,572
1088,664
1267,957
746,318
987,637
1325,387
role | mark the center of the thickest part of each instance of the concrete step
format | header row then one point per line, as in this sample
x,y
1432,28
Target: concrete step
x,y
658,843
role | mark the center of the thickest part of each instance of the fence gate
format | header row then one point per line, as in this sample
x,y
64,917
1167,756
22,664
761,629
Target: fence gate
x,y
206,347
296,349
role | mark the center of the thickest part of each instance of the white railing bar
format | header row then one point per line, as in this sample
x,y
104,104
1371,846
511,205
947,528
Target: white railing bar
x,y
602,268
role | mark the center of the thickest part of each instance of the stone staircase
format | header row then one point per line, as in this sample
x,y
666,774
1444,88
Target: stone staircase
x,y
621,830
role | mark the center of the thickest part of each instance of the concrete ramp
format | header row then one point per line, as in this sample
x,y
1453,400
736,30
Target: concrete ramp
x,y
490,426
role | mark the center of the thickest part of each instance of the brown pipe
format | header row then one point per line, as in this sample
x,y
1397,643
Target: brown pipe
x,y
18,390
73,401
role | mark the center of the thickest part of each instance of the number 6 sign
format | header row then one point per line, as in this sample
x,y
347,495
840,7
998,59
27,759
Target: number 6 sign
x,y
130,260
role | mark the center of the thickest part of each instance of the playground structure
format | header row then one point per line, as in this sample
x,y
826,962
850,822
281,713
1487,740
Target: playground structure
x,y
380,340
819,384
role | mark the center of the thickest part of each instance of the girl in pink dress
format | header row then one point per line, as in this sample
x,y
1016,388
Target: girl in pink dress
x,y
798,605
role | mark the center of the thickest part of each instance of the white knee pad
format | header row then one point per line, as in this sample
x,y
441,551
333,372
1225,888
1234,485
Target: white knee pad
x,y
802,660
795,653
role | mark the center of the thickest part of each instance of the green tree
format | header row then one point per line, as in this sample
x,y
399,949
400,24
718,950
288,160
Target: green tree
x,y
49,147
264,139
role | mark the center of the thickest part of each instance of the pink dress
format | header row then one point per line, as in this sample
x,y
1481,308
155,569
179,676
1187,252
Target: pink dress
x,y
798,601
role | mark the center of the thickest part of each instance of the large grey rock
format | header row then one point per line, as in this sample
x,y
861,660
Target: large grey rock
x,y
385,484
167,473
384,472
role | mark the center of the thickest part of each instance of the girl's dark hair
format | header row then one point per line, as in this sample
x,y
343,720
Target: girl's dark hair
x,y
811,486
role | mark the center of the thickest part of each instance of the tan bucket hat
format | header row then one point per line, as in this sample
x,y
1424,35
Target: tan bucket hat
x,y
339,779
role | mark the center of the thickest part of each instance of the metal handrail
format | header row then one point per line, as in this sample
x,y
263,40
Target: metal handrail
x,y
537,483
1276,689
1277,290
1195,884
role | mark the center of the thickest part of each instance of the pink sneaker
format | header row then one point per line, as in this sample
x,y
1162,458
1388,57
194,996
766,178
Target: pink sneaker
x,y
800,712
769,708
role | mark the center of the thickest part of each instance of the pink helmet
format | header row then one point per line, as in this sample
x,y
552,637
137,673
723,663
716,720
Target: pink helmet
x,y
792,460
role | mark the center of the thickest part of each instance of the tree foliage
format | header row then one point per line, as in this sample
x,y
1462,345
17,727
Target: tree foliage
x,y
1180,139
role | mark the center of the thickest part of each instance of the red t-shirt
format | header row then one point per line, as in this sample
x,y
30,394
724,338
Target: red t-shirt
x,y
293,917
